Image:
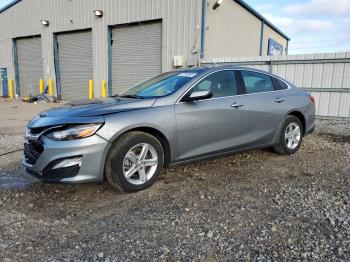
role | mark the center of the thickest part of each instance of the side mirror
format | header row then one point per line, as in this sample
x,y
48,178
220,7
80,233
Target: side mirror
x,y
199,95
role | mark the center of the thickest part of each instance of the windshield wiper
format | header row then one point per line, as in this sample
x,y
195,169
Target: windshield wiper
x,y
133,96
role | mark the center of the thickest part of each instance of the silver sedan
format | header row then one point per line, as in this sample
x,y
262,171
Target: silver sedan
x,y
172,118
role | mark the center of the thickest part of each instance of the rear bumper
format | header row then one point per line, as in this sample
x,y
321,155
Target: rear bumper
x,y
91,150
310,129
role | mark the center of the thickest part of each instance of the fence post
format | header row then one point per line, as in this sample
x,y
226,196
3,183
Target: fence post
x,y
270,65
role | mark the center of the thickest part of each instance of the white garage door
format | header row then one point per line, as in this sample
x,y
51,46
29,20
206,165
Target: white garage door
x,y
75,64
136,54
30,65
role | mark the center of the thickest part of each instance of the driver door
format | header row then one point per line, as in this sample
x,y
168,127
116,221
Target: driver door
x,y
211,125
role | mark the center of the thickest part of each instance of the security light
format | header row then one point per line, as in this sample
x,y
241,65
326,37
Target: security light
x,y
45,22
217,4
98,13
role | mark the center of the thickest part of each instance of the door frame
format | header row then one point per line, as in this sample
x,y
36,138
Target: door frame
x,y
4,94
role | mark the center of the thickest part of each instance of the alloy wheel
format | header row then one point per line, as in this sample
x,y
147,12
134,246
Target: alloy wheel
x,y
292,135
140,164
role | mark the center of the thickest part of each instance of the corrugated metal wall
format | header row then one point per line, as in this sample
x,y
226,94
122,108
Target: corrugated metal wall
x,y
234,31
6,59
180,20
270,33
325,76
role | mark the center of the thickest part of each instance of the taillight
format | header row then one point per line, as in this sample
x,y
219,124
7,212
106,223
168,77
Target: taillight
x,y
312,99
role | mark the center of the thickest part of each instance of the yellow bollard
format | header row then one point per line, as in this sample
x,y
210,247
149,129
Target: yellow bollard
x,y
41,86
104,88
91,91
50,87
10,88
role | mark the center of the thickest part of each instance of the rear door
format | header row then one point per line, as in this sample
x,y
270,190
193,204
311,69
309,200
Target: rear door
x,y
211,125
264,107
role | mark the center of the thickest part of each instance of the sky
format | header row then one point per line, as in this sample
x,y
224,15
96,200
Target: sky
x,y
4,2
314,26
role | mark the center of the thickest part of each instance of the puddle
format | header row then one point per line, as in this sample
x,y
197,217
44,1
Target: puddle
x,y
15,181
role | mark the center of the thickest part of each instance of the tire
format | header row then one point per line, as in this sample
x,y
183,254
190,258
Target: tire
x,y
128,168
289,144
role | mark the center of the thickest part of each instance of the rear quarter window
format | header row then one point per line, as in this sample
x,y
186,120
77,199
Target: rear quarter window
x,y
256,82
279,85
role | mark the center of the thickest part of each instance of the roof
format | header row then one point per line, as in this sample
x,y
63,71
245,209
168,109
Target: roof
x,y
9,5
240,2
263,19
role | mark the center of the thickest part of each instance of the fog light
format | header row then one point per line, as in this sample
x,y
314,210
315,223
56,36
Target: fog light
x,y
68,162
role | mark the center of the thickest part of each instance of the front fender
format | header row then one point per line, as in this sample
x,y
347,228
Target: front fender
x,y
161,119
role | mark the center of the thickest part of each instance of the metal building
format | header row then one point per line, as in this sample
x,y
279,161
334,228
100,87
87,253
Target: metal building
x,y
121,42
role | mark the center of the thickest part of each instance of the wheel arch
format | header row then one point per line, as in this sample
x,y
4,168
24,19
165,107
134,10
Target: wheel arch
x,y
160,136
295,113
301,117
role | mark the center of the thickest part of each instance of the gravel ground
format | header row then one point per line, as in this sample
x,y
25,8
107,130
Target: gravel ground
x,y
253,206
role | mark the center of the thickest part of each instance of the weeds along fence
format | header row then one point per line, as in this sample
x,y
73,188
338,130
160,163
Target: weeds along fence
x,y
326,76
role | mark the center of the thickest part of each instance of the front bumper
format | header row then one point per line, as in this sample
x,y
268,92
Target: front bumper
x,y
91,150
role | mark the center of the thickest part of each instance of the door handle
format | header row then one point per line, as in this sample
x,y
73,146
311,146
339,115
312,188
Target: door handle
x,y
236,105
279,100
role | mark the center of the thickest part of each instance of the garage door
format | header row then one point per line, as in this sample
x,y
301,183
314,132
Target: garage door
x,y
136,54
75,64
30,65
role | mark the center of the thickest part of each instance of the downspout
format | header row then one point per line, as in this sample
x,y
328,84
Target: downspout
x,y
287,47
203,28
261,37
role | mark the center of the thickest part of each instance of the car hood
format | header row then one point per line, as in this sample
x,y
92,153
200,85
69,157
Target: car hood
x,y
99,107
79,111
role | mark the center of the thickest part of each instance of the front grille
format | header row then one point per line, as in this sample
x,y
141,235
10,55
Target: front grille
x,y
32,151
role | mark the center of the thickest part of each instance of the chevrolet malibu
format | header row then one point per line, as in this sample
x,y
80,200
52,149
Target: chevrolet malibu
x,y
172,118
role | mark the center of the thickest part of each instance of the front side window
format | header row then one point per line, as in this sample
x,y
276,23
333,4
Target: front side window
x,y
221,84
160,86
256,82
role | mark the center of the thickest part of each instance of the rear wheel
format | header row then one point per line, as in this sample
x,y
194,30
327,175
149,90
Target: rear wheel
x,y
134,161
291,136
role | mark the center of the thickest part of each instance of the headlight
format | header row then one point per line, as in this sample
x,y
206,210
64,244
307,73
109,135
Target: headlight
x,y
74,132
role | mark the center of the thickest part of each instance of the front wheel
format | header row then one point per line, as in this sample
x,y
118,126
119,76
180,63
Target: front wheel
x,y
291,136
134,162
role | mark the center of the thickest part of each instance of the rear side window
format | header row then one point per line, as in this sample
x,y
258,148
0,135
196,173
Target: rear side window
x,y
279,85
256,82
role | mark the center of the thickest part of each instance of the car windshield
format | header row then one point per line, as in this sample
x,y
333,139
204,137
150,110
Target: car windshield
x,y
159,86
